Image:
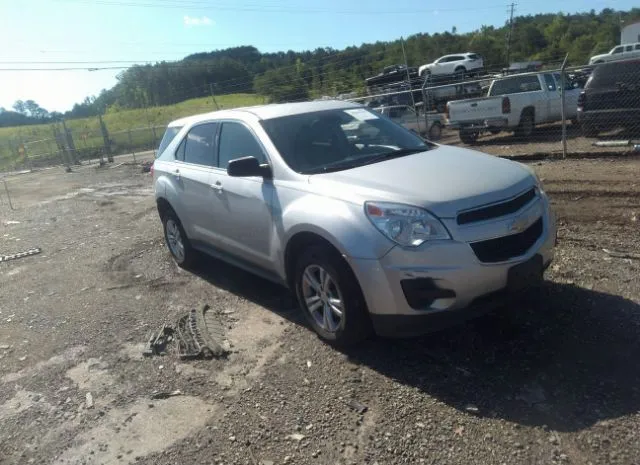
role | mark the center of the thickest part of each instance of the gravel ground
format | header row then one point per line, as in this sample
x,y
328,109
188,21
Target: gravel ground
x,y
551,379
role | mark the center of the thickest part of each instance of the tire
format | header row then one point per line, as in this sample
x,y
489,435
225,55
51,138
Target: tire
x,y
441,107
469,137
177,240
589,130
435,131
526,125
322,276
460,72
495,131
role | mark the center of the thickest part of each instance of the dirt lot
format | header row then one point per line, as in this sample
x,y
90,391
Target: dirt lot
x,y
554,379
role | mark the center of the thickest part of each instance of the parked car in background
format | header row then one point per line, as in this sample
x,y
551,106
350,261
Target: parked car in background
x,y
516,103
460,65
611,98
383,232
392,74
621,52
427,124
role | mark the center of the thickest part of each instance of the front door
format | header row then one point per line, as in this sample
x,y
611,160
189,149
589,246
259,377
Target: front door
x,y
243,219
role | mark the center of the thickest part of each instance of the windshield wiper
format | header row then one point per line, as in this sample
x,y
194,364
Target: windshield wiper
x,y
396,154
366,161
333,168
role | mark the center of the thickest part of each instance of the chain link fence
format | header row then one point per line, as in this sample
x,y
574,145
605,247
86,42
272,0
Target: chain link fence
x,y
69,147
541,113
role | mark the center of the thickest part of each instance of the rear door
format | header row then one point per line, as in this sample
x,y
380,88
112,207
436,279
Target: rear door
x,y
243,220
195,159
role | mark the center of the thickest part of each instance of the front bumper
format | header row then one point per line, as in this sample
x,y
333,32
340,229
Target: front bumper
x,y
474,287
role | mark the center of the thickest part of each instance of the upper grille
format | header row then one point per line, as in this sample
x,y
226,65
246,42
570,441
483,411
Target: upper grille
x,y
497,210
504,248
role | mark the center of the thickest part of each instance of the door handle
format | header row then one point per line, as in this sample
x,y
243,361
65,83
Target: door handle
x,y
217,187
177,174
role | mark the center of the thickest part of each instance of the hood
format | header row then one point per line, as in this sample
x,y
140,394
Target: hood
x,y
597,57
443,180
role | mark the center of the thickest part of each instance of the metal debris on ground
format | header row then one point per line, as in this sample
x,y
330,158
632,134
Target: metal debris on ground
x,y
199,335
146,166
165,395
15,256
157,343
89,400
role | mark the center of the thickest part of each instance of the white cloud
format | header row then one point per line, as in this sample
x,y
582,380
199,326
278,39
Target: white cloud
x,y
195,21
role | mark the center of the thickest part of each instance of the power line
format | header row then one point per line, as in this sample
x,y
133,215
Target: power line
x,y
262,9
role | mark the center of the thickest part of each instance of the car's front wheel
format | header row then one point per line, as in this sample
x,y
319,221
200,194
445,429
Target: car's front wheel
x,y
330,297
177,241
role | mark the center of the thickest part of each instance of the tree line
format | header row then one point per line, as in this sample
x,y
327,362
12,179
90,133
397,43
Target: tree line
x,y
286,76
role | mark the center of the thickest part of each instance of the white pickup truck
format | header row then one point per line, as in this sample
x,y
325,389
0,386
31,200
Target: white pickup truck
x,y
514,103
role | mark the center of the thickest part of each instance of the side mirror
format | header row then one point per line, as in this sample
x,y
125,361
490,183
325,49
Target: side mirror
x,y
248,166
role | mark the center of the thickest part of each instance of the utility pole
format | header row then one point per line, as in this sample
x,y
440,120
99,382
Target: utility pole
x,y
510,33
406,67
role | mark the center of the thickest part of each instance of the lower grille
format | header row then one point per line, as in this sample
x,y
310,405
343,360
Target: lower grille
x,y
504,248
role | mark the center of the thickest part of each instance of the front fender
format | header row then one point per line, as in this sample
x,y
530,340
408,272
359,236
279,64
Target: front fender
x,y
341,223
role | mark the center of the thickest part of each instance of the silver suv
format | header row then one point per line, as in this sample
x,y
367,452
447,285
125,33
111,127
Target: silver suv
x,y
372,227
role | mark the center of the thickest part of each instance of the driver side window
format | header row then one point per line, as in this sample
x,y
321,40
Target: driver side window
x,y
237,141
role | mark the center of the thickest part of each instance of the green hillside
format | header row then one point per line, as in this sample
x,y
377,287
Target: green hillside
x,y
129,129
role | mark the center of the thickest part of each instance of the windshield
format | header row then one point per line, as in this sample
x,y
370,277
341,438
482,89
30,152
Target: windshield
x,y
333,140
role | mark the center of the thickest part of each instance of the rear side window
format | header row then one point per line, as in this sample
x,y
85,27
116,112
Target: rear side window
x,y
628,48
610,74
236,141
169,135
199,148
515,85
473,56
637,46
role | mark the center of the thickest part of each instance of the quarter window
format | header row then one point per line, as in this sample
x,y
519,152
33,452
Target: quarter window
x,y
199,145
236,141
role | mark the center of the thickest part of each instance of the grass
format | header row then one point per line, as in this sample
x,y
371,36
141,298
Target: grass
x,y
139,129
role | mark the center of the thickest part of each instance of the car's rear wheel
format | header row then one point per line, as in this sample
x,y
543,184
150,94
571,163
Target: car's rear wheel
x,y
330,297
177,241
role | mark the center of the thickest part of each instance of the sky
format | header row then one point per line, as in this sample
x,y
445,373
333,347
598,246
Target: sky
x,y
37,35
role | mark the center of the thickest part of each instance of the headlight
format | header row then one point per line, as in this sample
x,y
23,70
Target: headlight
x,y
405,225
